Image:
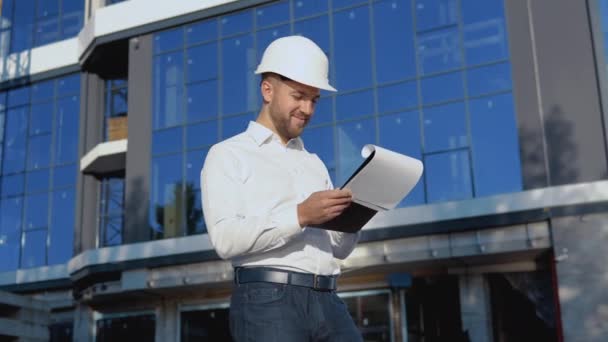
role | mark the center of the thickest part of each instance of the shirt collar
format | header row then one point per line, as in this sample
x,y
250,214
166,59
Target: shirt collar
x,y
262,134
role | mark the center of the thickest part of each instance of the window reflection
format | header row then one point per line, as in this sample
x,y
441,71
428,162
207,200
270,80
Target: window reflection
x,y
352,137
352,59
38,175
415,77
29,23
448,176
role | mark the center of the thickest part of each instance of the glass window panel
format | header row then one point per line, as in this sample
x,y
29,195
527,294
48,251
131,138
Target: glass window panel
x,y
401,133
442,88
166,212
62,227
37,181
34,249
10,241
239,22
202,62
169,40
435,13
72,5
320,140
68,85
61,332
395,58
212,322
305,8
14,140
168,90
494,137
345,3
39,152
64,176
354,105
352,49
167,141
200,32
12,185
41,118
73,16
47,31
119,102
239,86
194,164
484,31
236,124
6,14
202,101
23,25
19,96
112,230
10,221
195,223
448,176
43,90
265,37
439,51
115,196
316,29
66,137
352,137
272,14
36,211
202,134
397,97
489,79
445,127
47,8
323,111
141,327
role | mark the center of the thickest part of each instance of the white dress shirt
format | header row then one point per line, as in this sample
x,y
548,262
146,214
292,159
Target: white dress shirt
x,y
251,186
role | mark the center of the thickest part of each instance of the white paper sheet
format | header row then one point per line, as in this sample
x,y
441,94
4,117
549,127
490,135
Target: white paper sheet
x,y
385,180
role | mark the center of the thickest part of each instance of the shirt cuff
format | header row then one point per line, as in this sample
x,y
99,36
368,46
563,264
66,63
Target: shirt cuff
x,y
287,221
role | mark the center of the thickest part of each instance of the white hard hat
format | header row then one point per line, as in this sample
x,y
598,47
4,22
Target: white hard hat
x,y
299,59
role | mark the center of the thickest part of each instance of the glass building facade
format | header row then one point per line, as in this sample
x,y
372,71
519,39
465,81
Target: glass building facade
x,y
25,24
430,79
504,104
39,140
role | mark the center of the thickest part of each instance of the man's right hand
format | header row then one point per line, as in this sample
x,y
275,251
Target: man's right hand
x,y
323,206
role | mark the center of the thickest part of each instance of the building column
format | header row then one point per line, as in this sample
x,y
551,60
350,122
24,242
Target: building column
x,y
475,307
84,324
167,320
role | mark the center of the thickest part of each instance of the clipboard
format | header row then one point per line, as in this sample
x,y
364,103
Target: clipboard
x,y
380,183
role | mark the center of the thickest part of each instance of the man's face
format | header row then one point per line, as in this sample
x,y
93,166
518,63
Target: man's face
x,y
291,105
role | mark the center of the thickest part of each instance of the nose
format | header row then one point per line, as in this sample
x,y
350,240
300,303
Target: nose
x,y
307,107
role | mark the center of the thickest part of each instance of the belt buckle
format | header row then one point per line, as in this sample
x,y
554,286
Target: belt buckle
x,y
315,281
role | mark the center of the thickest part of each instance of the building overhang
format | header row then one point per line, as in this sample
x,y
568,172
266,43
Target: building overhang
x,y
105,158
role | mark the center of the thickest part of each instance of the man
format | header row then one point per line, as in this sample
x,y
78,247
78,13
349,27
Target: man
x,y
262,192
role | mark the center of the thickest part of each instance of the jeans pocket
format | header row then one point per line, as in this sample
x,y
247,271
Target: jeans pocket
x,y
265,293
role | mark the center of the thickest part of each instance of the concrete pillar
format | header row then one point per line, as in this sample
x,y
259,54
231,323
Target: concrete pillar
x,y
84,324
167,320
475,307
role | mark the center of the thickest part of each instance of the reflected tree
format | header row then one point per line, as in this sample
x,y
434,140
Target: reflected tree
x,y
183,209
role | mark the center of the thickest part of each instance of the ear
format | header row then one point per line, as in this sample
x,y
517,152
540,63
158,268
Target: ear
x,y
267,88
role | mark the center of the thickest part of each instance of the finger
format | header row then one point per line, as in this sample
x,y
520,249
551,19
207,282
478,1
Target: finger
x,y
345,193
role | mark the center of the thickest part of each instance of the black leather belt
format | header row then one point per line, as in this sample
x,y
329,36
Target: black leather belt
x,y
257,274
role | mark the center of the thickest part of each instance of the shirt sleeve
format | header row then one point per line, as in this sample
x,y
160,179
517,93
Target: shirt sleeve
x,y
342,244
231,231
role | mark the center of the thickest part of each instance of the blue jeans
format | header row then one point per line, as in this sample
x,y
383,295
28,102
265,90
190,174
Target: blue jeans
x,y
286,313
